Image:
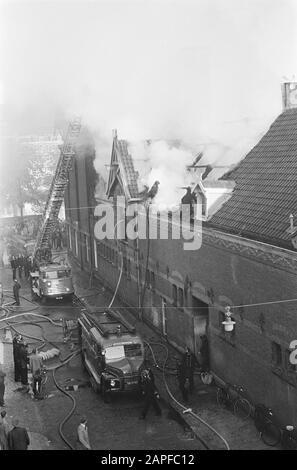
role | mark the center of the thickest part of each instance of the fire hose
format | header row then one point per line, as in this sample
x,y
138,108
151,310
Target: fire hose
x,y
184,409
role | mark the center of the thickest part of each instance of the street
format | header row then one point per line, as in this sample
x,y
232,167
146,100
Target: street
x,y
115,425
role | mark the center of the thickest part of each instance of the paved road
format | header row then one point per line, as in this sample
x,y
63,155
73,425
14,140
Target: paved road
x,y
111,426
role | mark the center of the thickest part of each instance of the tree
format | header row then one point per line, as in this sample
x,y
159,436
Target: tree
x,y
27,168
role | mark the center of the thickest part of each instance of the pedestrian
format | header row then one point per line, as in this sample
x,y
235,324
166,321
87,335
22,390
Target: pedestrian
x,y
24,364
188,366
18,438
4,430
16,291
35,362
16,357
2,385
150,392
83,442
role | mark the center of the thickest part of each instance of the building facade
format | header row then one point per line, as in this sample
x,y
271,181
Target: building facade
x,y
246,260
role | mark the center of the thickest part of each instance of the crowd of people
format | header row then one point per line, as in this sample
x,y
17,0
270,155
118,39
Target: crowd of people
x,y
21,264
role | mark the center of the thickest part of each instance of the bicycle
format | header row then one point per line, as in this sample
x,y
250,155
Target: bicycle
x,y
237,400
267,425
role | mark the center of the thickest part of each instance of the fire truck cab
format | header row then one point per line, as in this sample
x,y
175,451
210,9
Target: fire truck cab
x,y
52,281
112,352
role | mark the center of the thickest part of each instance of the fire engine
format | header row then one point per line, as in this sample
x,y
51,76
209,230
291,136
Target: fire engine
x,y
112,352
50,278
52,281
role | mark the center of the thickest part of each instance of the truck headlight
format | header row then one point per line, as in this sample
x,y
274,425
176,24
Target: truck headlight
x,y
112,383
49,283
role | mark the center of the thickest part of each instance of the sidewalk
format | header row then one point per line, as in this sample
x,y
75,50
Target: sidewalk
x,y
17,403
240,434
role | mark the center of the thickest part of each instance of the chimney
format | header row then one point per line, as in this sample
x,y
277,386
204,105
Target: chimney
x,y
114,134
289,94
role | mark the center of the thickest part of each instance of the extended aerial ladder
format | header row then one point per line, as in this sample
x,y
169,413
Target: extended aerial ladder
x,y
56,193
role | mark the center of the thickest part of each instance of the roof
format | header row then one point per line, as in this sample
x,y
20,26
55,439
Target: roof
x,y
265,192
128,165
122,170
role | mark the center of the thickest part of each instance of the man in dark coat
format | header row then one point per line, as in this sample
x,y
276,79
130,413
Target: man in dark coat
x,y
2,386
24,363
16,291
16,358
188,366
20,266
150,394
18,438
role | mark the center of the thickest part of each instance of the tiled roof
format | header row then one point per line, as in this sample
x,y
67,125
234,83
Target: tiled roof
x,y
130,173
265,193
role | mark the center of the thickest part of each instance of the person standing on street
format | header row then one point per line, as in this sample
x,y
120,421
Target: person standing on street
x,y
150,394
16,292
18,438
20,266
35,362
24,363
2,385
83,442
16,357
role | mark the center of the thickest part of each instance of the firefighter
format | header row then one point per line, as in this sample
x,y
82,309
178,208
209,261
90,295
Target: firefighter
x,y
16,292
188,365
16,357
150,392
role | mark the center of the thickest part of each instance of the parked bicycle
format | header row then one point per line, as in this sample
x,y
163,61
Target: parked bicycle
x,y
236,398
270,430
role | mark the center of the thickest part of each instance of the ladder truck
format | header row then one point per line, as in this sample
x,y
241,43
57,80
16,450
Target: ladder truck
x,y
51,279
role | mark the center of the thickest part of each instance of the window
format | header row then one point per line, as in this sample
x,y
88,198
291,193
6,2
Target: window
x,y
95,254
276,354
180,299
174,295
86,248
76,242
69,237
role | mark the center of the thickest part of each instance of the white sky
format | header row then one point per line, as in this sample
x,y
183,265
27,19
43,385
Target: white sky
x,y
159,69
